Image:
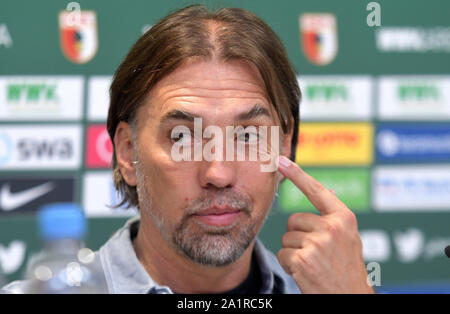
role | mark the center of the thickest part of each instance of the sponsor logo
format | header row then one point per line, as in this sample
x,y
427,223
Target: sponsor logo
x,y
41,97
410,188
99,148
78,40
10,201
376,245
5,37
100,196
98,97
336,97
409,244
335,144
350,185
40,147
318,36
413,143
414,97
418,92
6,148
12,256
28,194
413,39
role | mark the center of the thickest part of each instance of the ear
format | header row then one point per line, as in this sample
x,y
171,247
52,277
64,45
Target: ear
x,y
286,146
124,148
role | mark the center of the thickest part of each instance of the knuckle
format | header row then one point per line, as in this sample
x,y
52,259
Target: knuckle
x,y
298,260
322,243
284,240
349,219
289,260
280,255
282,259
333,228
292,220
317,243
312,240
357,242
305,260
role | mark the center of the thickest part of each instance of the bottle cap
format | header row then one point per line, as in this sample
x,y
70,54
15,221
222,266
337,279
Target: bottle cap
x,y
61,220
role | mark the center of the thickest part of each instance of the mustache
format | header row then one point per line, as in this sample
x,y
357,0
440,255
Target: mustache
x,y
227,198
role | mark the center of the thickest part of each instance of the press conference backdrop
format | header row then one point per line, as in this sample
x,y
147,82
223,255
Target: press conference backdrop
x,y
374,120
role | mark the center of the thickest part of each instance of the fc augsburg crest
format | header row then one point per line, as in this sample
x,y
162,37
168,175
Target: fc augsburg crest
x,y
78,35
318,37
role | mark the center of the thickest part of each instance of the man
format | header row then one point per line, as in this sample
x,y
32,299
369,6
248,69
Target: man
x,y
199,218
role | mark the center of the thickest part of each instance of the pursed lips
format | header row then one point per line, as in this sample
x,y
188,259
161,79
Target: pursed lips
x,y
218,215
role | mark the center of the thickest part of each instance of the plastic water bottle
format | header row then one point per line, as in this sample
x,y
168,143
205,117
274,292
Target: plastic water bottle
x,y
65,266
2,277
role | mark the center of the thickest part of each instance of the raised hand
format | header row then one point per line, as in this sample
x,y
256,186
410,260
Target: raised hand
x,y
323,253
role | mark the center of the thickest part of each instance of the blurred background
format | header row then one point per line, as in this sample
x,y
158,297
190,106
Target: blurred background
x,y
375,116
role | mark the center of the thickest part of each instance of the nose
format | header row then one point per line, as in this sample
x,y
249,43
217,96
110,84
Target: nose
x,y
217,174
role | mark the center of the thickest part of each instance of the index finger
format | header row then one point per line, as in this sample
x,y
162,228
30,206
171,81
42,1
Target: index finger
x,y
323,199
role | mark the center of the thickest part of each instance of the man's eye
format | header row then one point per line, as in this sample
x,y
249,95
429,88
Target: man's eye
x,y
248,137
183,138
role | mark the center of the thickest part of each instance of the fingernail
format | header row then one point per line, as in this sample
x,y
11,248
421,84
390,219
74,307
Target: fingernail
x,y
284,162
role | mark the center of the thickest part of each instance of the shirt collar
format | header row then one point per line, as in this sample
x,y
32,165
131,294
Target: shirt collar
x,y
125,274
123,271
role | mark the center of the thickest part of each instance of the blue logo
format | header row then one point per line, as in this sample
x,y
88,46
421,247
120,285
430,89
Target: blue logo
x,y
6,148
413,143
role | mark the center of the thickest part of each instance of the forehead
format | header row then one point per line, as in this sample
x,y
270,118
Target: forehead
x,y
199,82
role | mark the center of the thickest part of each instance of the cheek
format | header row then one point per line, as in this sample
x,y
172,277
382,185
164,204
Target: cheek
x,y
172,181
259,185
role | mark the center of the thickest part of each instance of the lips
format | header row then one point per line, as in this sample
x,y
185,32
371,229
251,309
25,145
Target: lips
x,y
218,216
217,210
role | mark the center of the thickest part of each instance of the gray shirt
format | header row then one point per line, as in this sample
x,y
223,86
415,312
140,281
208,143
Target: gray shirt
x,y
125,274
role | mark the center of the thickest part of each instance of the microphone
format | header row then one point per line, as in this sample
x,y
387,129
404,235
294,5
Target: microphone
x,y
447,251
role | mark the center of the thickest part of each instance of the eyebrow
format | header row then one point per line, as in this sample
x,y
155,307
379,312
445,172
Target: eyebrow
x,y
177,114
256,111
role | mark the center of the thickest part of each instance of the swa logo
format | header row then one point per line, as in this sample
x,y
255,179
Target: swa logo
x,y
56,149
40,147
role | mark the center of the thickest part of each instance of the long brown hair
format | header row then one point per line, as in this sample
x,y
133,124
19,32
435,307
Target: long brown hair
x,y
185,34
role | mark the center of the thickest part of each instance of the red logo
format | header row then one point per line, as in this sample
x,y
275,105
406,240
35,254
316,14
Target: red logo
x,y
99,148
78,36
318,36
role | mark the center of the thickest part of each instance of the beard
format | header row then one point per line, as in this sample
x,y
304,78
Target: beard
x,y
212,246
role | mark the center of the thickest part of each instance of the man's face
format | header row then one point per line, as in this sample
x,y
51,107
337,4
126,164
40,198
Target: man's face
x,y
209,211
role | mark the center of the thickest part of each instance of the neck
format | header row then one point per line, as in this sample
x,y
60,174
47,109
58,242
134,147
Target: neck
x,y
169,268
